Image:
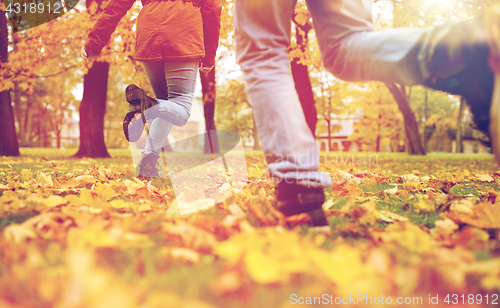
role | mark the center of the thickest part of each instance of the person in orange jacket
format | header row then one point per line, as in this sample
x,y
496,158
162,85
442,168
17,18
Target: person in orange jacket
x,y
174,38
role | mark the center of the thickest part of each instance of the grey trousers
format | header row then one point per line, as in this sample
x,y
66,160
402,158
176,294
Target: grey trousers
x,y
350,49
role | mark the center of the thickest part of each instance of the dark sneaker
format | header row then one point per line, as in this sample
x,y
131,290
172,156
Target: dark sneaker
x,y
134,121
465,61
295,199
148,167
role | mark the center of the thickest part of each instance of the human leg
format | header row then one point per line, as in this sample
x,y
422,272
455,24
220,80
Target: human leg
x,y
173,83
159,128
353,51
262,32
181,82
451,57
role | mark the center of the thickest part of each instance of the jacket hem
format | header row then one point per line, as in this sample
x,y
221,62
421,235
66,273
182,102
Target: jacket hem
x,y
187,57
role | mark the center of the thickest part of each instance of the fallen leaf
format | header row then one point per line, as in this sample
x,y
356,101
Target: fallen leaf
x,y
483,178
18,233
485,216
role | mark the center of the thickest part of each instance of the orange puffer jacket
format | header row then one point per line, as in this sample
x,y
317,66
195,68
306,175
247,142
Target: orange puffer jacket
x,y
166,30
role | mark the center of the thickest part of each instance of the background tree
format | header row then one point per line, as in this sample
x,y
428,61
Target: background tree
x,y
209,94
415,13
459,136
300,58
234,111
415,145
8,138
380,124
93,105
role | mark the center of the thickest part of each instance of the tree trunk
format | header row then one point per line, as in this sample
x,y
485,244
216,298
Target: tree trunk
x,y
58,134
256,141
379,134
92,110
426,139
18,111
415,145
458,139
8,138
303,87
93,107
27,122
208,90
301,78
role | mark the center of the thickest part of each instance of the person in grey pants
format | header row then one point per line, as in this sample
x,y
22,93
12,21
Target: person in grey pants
x,y
452,57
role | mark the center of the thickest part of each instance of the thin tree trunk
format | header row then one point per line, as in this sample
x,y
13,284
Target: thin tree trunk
x,y
415,145
208,90
27,123
256,141
92,111
458,139
329,121
379,133
301,78
426,139
9,145
18,111
303,87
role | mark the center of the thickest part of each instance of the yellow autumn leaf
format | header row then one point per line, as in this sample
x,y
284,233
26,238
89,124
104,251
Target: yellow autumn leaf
x,y
105,192
83,180
44,179
18,233
424,205
263,269
144,208
464,206
132,186
407,235
393,216
91,236
119,204
73,200
185,254
365,213
484,215
301,18
86,197
93,210
55,200
444,227
25,175
483,178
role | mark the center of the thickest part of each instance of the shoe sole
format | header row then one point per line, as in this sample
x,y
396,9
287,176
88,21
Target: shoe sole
x,y
133,126
493,25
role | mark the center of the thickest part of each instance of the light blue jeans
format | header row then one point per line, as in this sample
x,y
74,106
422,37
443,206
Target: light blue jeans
x,y
173,83
350,49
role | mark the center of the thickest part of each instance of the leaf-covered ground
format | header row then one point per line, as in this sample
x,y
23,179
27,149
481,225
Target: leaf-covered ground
x,y
87,233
